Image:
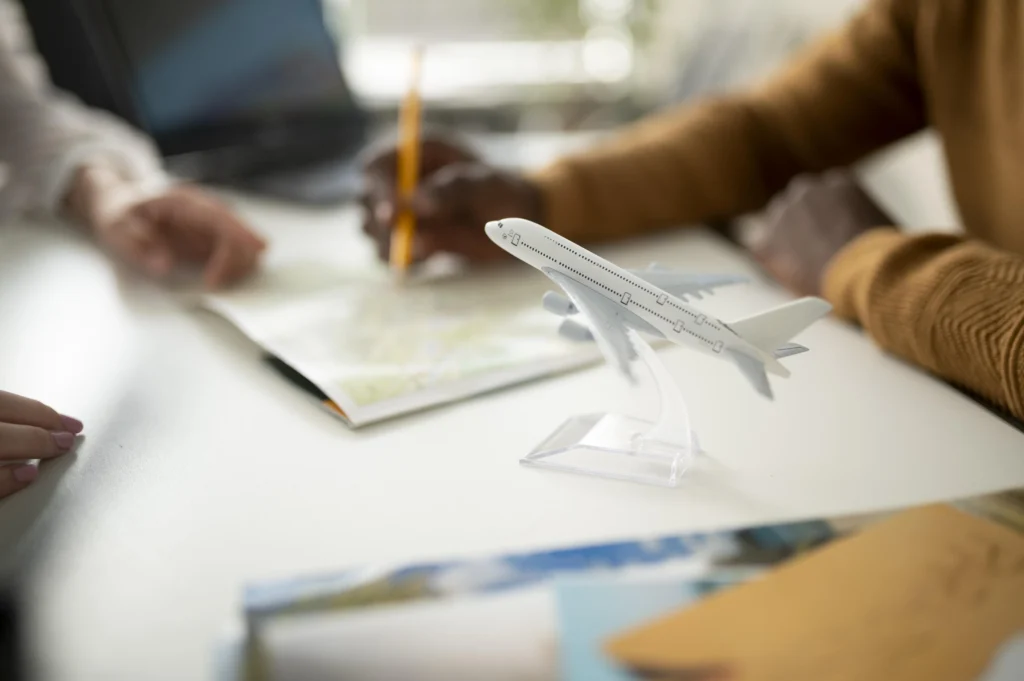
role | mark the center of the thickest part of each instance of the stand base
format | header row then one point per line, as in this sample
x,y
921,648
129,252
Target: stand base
x,y
614,446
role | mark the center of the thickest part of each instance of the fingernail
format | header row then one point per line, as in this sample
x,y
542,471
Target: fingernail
x,y
72,425
26,473
63,440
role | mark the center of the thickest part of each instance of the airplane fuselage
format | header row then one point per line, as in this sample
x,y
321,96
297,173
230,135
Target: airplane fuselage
x,y
668,314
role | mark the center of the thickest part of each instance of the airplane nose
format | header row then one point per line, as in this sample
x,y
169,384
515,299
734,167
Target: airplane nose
x,y
492,229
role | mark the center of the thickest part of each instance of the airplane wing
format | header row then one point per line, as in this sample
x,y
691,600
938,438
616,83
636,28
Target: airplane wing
x,y
684,283
753,370
608,322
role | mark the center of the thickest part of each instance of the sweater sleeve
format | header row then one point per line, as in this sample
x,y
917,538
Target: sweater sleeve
x,y
45,135
847,95
953,305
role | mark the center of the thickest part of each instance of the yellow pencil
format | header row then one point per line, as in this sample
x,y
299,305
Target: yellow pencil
x,y
408,168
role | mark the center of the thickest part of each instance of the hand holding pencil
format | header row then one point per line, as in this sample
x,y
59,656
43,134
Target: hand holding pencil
x,y
430,194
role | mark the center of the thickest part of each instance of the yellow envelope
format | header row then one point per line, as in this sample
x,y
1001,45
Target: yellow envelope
x,y
925,595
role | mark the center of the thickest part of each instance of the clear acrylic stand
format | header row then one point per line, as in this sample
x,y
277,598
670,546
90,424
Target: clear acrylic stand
x,y
623,447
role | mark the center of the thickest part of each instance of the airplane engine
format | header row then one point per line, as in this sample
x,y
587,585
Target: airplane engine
x,y
575,332
558,304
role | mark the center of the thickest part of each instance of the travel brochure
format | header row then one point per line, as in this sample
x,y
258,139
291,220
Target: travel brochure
x,y
556,608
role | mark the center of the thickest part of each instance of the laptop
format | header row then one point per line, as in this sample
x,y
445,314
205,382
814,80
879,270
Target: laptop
x,y
243,93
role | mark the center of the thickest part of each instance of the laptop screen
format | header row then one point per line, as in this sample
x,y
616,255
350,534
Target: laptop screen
x,y
199,64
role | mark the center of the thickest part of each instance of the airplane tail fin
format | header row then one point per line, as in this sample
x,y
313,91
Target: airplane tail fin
x,y
770,331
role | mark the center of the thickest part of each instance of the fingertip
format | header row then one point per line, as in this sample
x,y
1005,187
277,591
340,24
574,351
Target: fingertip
x,y
16,477
63,440
230,262
253,237
71,424
25,474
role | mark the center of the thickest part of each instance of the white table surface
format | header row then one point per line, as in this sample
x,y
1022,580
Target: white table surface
x,y
201,469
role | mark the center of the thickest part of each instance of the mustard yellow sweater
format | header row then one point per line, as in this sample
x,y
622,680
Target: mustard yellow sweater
x,y
954,305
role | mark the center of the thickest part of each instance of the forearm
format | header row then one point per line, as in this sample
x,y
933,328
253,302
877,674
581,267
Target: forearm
x,y
46,136
849,94
46,142
953,306
691,164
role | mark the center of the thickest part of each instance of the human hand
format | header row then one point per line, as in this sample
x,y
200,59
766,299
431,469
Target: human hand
x,y
457,195
805,225
30,430
181,226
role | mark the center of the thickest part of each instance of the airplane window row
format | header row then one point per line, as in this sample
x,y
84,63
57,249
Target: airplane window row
x,y
626,298
597,264
661,299
574,271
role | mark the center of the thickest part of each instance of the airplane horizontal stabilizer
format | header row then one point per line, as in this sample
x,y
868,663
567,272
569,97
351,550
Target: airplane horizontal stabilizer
x,y
789,349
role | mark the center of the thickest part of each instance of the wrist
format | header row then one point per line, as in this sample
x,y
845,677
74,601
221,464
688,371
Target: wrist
x,y
98,194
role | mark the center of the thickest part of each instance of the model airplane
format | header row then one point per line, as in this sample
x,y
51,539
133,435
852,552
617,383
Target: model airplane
x,y
653,301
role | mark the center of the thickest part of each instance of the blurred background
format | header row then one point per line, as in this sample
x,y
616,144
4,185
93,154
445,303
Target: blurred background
x,y
568,64
277,96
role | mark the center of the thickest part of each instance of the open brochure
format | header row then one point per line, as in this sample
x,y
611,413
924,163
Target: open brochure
x,y
371,349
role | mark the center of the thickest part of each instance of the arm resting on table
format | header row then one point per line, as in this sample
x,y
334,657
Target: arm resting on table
x,y
953,305
846,96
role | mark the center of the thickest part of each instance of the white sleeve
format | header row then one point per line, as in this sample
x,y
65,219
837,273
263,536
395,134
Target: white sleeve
x,y
45,135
